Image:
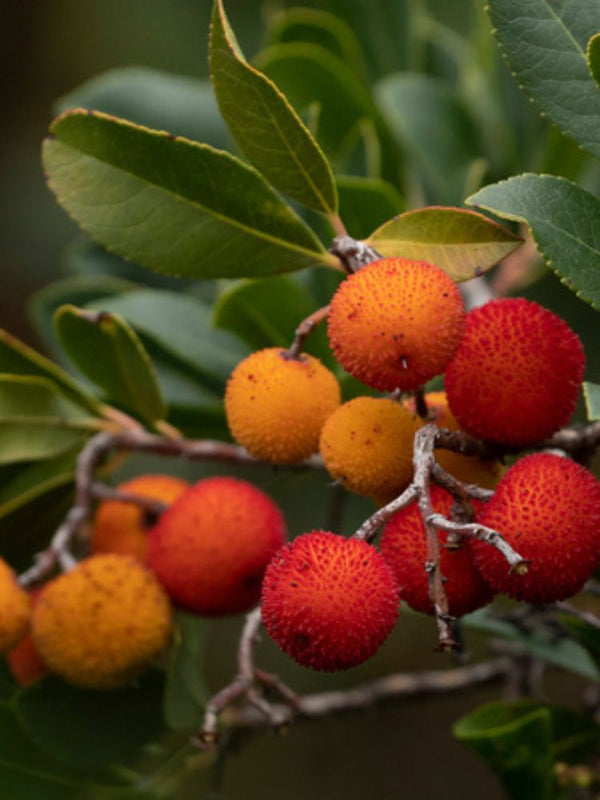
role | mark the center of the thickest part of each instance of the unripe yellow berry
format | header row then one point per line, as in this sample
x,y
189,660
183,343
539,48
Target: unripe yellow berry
x,y
367,444
15,609
276,405
101,623
468,469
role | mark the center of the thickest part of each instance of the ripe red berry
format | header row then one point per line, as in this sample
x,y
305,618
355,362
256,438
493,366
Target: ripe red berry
x,y
329,602
211,547
548,508
516,376
404,547
396,323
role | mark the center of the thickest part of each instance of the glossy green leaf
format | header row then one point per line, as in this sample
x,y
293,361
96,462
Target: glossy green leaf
x,y
108,351
464,244
321,28
366,203
585,633
593,57
265,126
87,728
436,130
76,290
545,44
173,205
264,313
591,394
311,76
541,643
182,105
182,327
36,421
186,692
564,221
17,358
514,739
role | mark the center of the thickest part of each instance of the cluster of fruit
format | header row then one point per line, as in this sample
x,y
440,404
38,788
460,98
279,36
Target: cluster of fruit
x,y
512,376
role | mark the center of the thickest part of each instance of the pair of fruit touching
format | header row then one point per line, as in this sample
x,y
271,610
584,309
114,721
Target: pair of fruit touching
x,y
100,623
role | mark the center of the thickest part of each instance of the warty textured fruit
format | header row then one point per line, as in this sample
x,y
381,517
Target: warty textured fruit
x,y
468,469
396,323
367,444
276,405
123,527
329,602
211,547
548,508
103,622
15,609
24,661
516,376
404,547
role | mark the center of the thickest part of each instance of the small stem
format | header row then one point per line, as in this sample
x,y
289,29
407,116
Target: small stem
x,y
585,616
100,491
371,525
305,328
352,253
338,226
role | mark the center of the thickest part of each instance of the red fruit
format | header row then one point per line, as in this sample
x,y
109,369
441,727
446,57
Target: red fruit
x,y
515,378
396,323
329,602
548,508
404,547
211,547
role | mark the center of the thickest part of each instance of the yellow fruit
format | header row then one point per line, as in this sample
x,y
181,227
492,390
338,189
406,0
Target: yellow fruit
x,y
468,469
276,405
15,609
367,444
101,623
123,527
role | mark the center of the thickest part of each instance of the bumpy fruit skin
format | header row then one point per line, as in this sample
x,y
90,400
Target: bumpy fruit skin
x,y
468,469
516,376
100,624
15,609
211,547
123,527
367,444
548,508
24,660
329,602
276,405
404,547
396,323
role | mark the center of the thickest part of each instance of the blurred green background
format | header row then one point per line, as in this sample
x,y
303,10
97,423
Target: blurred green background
x,y
52,46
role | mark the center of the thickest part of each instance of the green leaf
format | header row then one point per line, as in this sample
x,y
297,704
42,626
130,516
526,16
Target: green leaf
x,y
176,103
265,126
436,130
77,290
173,205
16,358
541,643
186,692
515,741
311,76
585,633
564,221
36,421
321,28
108,351
591,394
462,243
545,46
365,203
593,57
26,773
87,728
183,328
